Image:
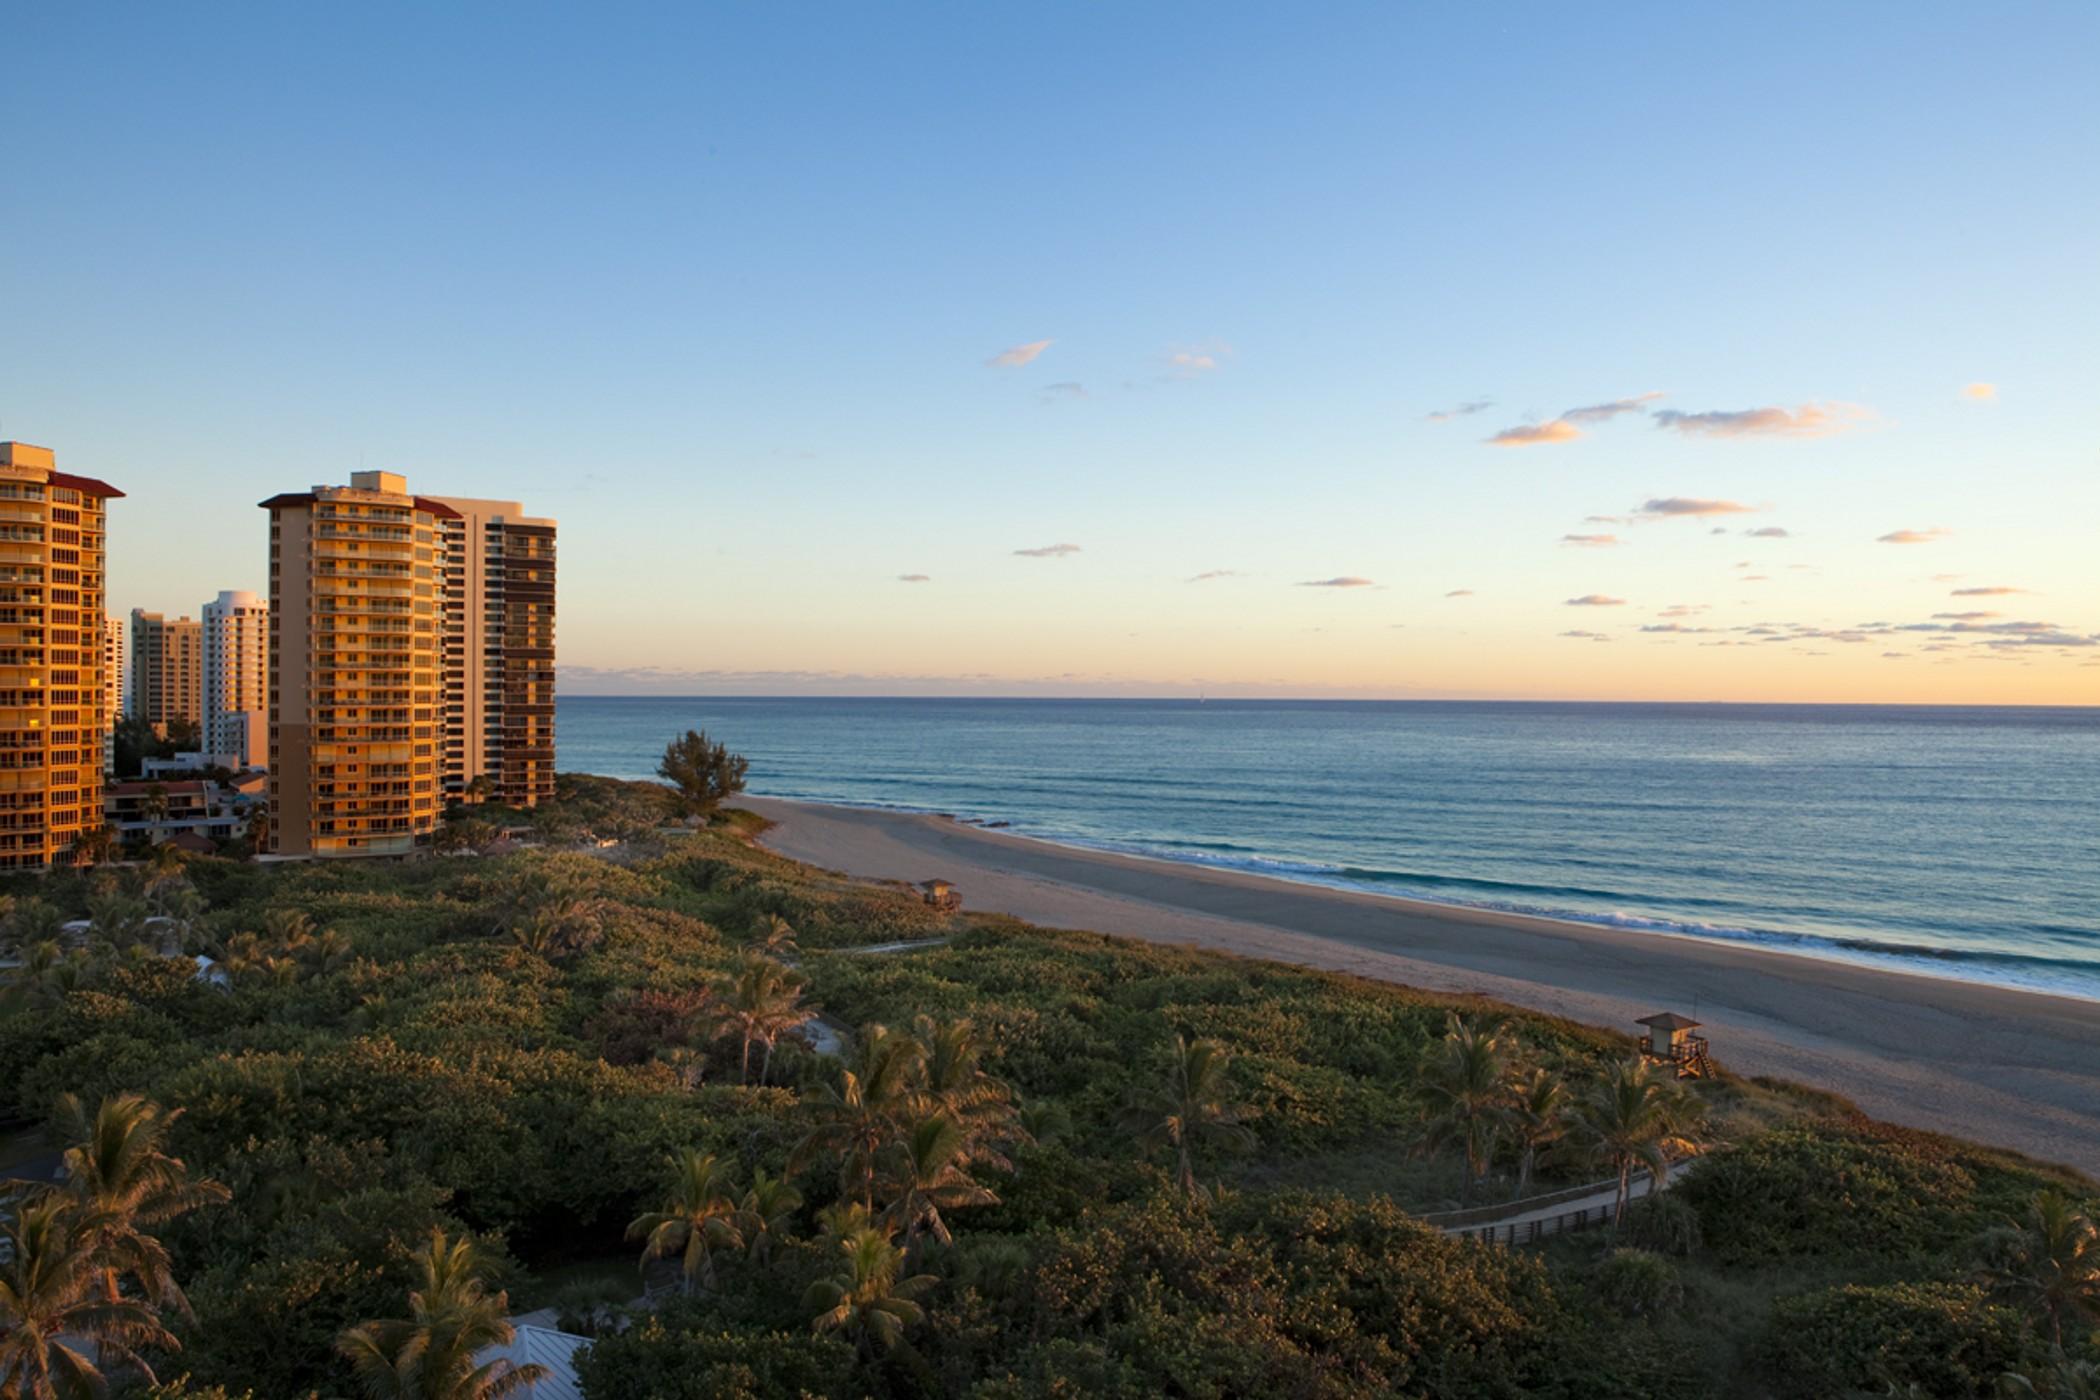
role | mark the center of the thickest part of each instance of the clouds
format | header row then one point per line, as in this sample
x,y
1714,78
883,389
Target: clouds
x,y
1048,551
1595,600
1999,592
1926,536
1014,356
1339,581
1583,636
1769,532
915,578
1605,412
1194,361
1464,410
1531,434
1692,507
1809,420
1460,593
1208,574
1066,388
1981,391
1590,541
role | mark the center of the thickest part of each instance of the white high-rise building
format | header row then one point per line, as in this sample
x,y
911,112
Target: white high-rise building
x,y
115,661
236,676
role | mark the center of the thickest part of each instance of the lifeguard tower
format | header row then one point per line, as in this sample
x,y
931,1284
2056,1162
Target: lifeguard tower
x,y
942,895
1670,1042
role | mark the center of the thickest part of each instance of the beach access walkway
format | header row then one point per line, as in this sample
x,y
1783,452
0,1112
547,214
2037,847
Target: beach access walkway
x,y
1537,1217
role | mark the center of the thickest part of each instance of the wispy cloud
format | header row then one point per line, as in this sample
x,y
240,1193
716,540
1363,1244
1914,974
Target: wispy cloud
x,y
1972,616
1926,536
1460,593
1809,420
1464,410
1596,600
1999,592
1048,551
1684,610
1678,507
1208,574
1982,391
1066,388
1769,532
1014,356
1590,541
1580,635
915,578
1605,412
1529,434
1339,581
1674,627
1187,362
1607,520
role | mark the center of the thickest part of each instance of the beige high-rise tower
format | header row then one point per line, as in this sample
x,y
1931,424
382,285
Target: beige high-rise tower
x,y
167,671
116,664
355,728
499,651
236,679
52,710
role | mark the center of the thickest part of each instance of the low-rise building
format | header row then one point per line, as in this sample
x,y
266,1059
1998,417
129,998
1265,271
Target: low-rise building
x,y
148,813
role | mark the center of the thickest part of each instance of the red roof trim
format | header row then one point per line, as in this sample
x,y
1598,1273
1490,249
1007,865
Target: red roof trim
x,y
288,499
437,508
86,485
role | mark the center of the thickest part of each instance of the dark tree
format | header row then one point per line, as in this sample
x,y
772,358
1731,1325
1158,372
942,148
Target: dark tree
x,y
705,774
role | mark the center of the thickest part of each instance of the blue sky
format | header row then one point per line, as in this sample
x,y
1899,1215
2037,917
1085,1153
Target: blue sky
x,y
719,291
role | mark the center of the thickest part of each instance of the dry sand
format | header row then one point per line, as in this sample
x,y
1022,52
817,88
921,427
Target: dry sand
x,y
2014,1069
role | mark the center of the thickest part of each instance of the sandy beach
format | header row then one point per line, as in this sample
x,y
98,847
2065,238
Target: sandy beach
x,y
2010,1068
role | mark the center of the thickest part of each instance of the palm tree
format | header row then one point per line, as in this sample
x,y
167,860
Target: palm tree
x,y
430,1355
2064,1379
115,916
924,1176
93,845
2054,1265
858,1118
867,1299
957,1086
1466,1083
767,1209
257,828
758,1005
1537,1119
120,1173
329,950
153,806
287,928
1189,1104
1636,1117
776,938
58,1327
699,1216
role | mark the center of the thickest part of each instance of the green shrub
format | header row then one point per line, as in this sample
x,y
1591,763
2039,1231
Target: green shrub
x,y
1946,1339
1665,1224
1637,1282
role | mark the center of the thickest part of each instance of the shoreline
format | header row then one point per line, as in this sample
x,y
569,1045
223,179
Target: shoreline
x,y
1858,951
2007,1066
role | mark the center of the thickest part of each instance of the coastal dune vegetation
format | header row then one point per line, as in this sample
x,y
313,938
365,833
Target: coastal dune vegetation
x,y
758,1130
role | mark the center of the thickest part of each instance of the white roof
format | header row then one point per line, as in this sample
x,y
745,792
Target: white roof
x,y
545,1347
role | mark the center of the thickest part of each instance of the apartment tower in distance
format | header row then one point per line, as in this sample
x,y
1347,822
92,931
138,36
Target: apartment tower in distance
x,y
51,669
116,665
355,728
499,652
167,672
236,665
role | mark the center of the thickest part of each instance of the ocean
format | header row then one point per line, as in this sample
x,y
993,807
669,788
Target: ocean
x,y
1961,842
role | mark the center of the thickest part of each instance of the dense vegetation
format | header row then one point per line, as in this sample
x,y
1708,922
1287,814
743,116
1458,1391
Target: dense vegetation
x,y
1032,1164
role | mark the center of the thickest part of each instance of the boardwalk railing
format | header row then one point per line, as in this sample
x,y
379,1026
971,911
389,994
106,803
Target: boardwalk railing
x,y
1454,1220
1531,1231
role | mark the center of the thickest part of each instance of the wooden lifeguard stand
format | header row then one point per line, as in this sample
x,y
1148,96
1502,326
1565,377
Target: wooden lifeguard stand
x,y
1670,1042
942,895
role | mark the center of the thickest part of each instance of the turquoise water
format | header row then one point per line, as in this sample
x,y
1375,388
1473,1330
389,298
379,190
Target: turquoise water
x,y
1961,842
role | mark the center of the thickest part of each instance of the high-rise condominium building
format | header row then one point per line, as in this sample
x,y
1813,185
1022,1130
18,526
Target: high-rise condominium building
x,y
356,729
51,668
236,678
116,662
167,671
499,651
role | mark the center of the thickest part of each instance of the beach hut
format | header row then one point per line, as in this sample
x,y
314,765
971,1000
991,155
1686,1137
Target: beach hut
x,y
1670,1042
942,895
